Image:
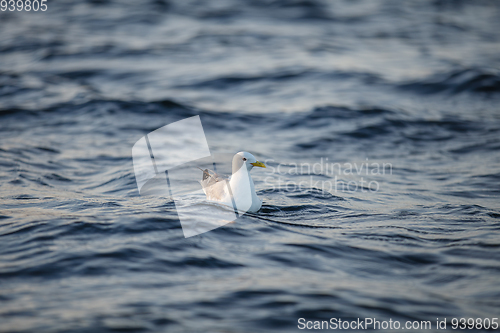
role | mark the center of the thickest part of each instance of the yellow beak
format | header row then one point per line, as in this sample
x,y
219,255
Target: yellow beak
x,y
259,164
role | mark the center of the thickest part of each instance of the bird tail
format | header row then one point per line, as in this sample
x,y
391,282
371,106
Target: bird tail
x,y
206,174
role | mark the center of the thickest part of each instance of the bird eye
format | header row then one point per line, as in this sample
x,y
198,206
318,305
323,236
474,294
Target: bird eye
x,y
244,158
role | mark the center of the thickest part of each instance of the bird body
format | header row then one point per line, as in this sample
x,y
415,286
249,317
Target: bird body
x,y
237,191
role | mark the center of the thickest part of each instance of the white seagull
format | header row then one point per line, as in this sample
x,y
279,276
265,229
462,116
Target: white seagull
x,y
237,191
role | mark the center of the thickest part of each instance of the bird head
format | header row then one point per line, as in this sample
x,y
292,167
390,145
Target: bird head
x,y
245,159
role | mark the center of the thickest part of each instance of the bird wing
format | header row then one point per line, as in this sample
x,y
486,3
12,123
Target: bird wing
x,y
214,185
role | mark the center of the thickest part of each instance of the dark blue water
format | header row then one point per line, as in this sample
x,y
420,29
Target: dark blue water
x,y
414,85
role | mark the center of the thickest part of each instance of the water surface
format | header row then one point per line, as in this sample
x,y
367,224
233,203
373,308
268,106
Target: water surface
x,y
415,86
